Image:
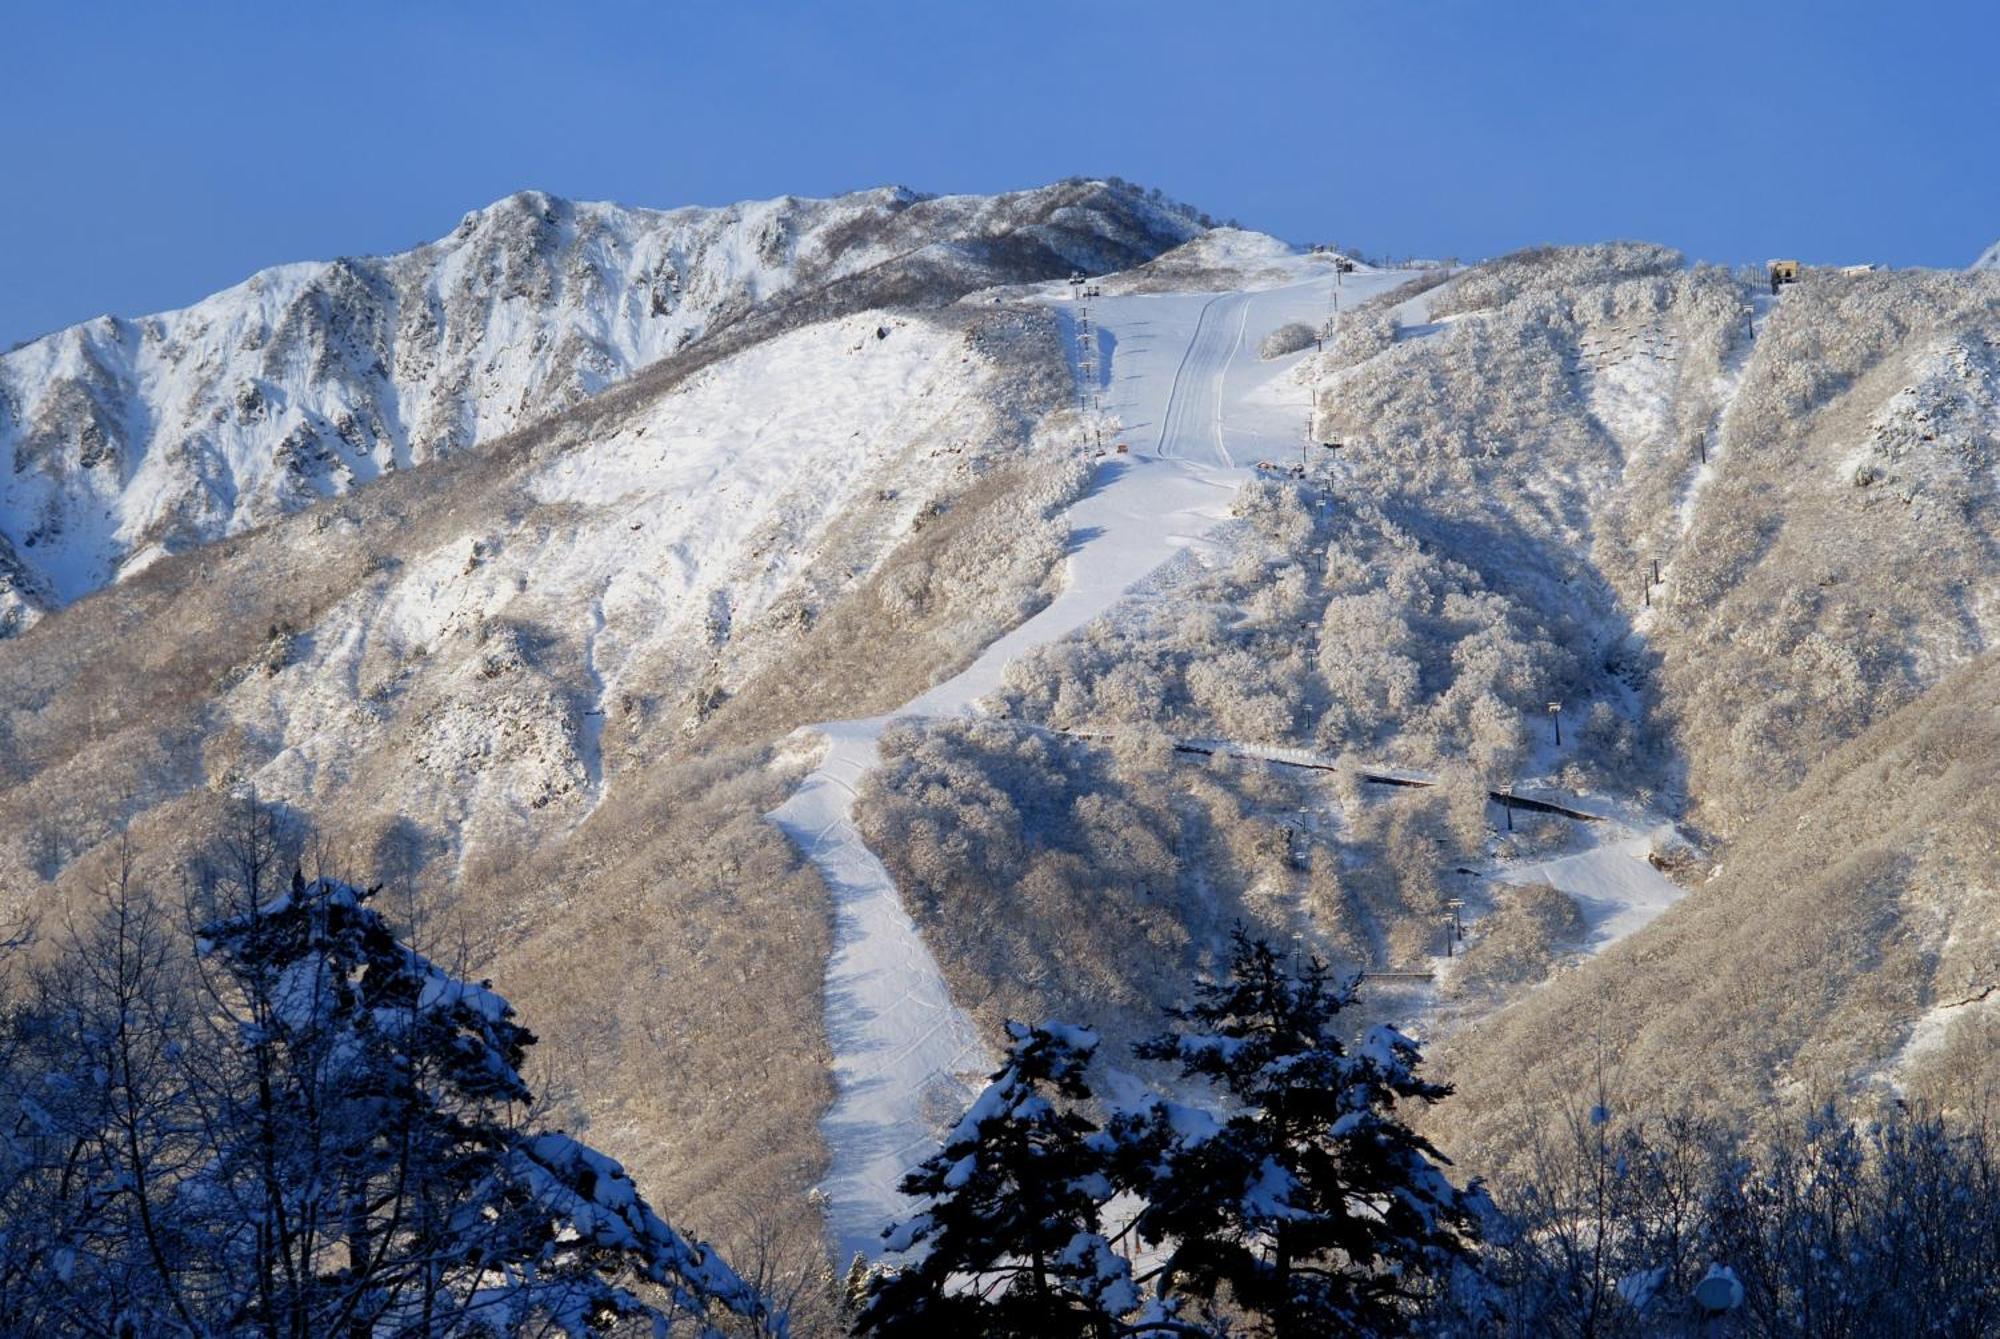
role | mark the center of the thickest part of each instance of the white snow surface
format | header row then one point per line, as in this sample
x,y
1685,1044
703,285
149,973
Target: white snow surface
x,y
697,514
1181,384
1612,882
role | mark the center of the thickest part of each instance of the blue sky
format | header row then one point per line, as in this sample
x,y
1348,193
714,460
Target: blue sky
x,y
152,154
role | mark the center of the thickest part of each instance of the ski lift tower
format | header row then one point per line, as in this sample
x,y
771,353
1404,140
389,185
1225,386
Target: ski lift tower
x,y
1086,356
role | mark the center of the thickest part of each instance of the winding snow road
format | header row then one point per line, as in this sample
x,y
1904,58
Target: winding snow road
x,y
906,1058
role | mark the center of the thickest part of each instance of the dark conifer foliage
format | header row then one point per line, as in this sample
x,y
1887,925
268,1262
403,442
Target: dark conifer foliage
x,y
293,1123
1312,1207
1012,1233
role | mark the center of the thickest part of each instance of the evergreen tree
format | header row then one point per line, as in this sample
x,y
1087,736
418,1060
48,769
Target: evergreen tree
x,y
1012,1231
1317,1209
306,1128
376,1145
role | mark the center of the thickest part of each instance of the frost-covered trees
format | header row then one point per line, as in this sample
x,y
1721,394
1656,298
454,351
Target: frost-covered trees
x,y
299,1125
1835,1226
1545,271
1338,627
1298,1202
1528,931
1013,1237
1288,338
1028,866
1836,560
1312,1204
1360,336
1307,1207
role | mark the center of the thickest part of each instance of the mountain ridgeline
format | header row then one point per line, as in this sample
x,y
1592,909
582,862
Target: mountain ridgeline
x,y
131,439
1593,648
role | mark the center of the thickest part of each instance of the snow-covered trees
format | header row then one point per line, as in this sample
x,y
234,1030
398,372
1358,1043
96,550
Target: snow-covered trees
x,y
1308,1208
1288,338
1013,1235
299,1125
1312,1203
1299,1202
1528,931
1547,271
1359,336
1337,626
1835,1226
1826,572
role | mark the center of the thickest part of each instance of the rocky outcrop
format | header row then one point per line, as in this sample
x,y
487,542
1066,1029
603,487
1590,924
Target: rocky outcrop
x,y
128,440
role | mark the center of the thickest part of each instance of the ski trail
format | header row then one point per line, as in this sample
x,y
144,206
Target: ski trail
x,y
590,729
1731,380
905,1057
1184,399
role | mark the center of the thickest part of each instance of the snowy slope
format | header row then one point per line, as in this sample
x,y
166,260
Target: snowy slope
x,y
640,558
506,650
130,439
1182,382
486,663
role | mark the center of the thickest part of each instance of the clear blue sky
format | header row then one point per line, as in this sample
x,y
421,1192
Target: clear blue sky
x,y
150,154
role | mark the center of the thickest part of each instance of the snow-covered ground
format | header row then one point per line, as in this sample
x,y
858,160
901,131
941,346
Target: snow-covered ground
x,y
1413,315
1182,386
695,516
135,439
1617,888
307,379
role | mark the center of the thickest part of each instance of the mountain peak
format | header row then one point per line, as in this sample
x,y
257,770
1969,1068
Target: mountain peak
x,y
132,439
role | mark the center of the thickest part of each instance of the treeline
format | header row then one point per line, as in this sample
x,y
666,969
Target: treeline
x,y
1840,1227
260,1111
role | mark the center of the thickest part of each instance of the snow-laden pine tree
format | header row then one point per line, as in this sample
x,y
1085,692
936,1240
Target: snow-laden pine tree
x,y
308,1128
1012,1232
1311,1207
379,1153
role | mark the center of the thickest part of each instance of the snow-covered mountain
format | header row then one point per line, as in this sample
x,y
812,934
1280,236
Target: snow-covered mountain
x,y
780,688
1989,259
130,439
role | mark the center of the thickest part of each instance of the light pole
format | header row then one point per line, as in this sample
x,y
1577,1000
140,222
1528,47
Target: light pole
x,y
1555,715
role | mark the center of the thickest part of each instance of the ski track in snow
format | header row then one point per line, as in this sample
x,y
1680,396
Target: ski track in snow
x,y
590,732
1182,368
1612,882
1761,307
